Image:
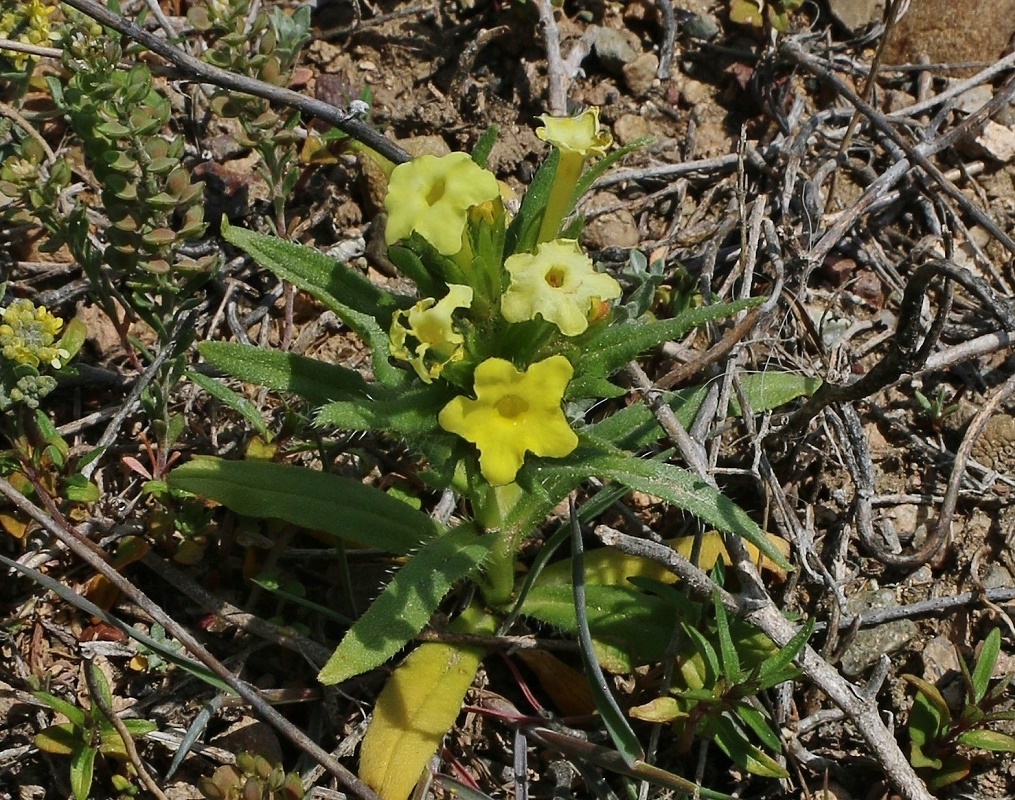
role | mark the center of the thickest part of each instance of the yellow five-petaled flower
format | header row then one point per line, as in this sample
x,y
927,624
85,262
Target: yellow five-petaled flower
x,y
514,412
430,324
432,196
559,284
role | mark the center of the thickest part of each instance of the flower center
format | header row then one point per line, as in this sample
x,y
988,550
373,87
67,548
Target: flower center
x,y
511,406
436,192
555,276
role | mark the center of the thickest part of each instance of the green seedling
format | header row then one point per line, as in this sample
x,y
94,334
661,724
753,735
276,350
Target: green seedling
x,y
86,735
937,408
253,777
772,14
719,696
938,737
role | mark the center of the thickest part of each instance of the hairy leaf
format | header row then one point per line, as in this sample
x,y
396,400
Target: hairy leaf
x,y
316,501
407,602
356,301
315,381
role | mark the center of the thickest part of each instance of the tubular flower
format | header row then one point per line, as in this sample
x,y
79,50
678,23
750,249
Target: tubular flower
x,y
27,335
430,326
559,284
513,413
577,139
432,196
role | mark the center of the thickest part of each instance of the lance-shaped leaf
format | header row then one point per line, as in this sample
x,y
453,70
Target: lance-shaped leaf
x,y
316,501
674,485
407,602
356,301
412,413
417,706
604,350
315,381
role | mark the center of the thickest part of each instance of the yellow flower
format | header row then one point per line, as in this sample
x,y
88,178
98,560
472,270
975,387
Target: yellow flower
x,y
29,24
513,413
577,139
432,196
579,135
27,335
559,284
430,325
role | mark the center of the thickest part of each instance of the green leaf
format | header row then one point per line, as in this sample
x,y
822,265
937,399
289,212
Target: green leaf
x,y
980,679
230,399
315,381
78,489
669,483
316,501
407,602
988,740
356,301
929,708
919,759
952,770
522,232
101,685
771,389
756,721
73,713
730,659
628,628
733,742
605,349
412,413
481,152
60,740
82,770
708,653
778,668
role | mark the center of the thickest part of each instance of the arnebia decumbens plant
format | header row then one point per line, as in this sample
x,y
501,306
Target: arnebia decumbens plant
x,y
488,374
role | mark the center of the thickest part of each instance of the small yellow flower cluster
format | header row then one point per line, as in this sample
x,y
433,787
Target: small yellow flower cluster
x,y
28,23
445,200
28,333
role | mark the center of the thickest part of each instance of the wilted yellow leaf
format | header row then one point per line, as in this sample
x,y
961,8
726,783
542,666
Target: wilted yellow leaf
x,y
417,706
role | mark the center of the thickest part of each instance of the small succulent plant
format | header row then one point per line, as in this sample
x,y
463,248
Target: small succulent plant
x,y
253,777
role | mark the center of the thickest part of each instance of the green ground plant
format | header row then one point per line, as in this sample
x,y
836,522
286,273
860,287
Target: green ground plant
x,y
88,734
487,375
939,737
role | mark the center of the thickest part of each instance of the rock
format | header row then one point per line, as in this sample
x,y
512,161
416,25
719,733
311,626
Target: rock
x,y
855,15
868,645
700,26
614,50
997,577
613,229
971,99
693,92
630,128
640,74
939,658
949,32
997,142
996,446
